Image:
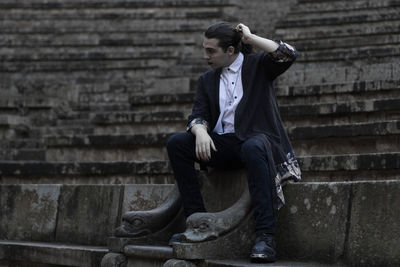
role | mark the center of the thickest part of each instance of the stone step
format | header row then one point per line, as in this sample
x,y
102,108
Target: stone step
x,y
320,74
382,129
119,13
307,140
330,106
379,165
359,88
302,237
328,19
87,65
295,91
147,255
342,108
347,42
372,53
22,154
107,118
64,4
121,39
278,263
321,32
107,148
361,138
50,253
318,7
127,172
115,26
125,123
13,101
90,53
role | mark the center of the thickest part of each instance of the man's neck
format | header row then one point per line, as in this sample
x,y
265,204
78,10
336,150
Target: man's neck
x,y
233,58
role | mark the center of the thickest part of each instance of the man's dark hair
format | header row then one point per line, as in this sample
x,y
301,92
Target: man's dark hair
x,y
227,36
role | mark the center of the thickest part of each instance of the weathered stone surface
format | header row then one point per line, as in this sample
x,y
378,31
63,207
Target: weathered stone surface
x,y
89,215
114,260
221,232
144,197
235,244
51,253
374,227
313,223
178,263
354,162
16,168
29,212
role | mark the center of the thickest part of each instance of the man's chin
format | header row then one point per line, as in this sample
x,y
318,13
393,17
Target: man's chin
x,y
212,66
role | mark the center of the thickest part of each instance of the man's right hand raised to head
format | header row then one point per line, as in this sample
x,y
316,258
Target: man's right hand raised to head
x,y
204,143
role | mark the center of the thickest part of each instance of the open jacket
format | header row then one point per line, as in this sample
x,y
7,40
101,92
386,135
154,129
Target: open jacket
x,y
257,114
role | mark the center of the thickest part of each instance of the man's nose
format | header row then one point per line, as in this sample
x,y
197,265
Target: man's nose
x,y
205,56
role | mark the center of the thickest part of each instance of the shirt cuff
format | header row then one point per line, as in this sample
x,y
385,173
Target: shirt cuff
x,y
197,121
284,53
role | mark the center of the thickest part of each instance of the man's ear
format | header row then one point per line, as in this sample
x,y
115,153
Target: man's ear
x,y
230,50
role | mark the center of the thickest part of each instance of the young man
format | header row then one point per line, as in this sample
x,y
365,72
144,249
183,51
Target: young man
x,y
235,121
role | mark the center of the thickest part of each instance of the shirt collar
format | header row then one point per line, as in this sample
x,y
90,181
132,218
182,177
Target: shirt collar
x,y
235,66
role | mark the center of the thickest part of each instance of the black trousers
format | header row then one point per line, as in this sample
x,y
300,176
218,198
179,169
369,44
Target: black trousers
x,y
231,151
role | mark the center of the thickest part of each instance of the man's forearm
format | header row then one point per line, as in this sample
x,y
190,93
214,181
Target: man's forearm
x,y
262,43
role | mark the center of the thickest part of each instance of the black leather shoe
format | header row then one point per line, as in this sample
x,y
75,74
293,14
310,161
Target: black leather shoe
x,y
264,249
175,238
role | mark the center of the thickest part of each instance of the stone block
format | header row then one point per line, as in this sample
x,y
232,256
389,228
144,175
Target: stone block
x,y
144,197
46,254
89,213
28,212
312,225
374,231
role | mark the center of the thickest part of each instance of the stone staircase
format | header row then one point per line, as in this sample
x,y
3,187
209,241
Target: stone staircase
x,y
91,90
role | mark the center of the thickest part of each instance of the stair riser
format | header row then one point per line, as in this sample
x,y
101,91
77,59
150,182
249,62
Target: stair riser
x,y
341,6
110,154
336,146
339,31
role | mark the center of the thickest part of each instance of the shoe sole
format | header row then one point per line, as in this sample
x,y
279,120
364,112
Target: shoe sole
x,y
258,258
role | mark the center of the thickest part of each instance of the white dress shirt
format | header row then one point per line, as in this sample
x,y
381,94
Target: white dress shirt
x,y
230,94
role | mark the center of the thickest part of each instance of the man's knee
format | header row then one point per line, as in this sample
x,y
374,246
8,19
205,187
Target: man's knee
x,y
177,140
252,147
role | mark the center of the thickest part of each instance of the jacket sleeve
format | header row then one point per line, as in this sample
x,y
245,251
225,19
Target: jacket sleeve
x,y
201,111
280,60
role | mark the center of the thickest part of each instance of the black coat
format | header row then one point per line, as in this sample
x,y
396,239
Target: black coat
x,y
257,114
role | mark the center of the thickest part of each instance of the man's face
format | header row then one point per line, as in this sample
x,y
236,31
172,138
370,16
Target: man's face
x,y
215,56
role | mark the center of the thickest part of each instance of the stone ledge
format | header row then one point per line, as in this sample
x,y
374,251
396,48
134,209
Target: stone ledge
x,y
34,168
346,42
343,54
136,117
52,253
368,15
376,129
337,88
310,6
278,263
320,32
154,252
372,161
108,141
162,99
355,162
353,222
38,4
129,142
289,90
110,14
